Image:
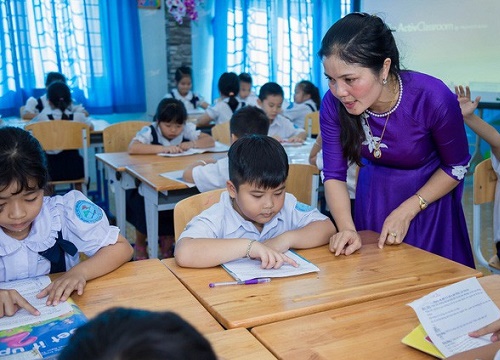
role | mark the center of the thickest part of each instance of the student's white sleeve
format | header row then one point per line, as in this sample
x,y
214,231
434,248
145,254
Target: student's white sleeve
x,y
144,135
302,214
208,224
211,176
30,106
190,132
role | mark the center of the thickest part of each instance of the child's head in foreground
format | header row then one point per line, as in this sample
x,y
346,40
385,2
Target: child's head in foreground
x,y
23,178
271,97
258,168
132,334
171,116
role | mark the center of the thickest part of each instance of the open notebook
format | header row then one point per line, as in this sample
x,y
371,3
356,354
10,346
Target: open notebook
x,y
219,147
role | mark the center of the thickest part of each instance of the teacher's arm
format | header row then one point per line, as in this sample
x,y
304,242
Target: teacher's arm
x,y
347,240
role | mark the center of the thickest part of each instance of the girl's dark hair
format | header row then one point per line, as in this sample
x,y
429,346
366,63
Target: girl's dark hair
x,y
183,71
259,160
229,85
310,89
270,88
22,160
365,40
54,76
171,110
59,95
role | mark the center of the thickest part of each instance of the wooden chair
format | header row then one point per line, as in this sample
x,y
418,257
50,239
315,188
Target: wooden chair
x,y
117,137
311,124
303,183
188,208
221,133
485,180
64,135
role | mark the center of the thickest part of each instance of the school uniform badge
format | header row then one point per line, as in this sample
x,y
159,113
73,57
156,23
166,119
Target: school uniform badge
x,y
303,207
88,212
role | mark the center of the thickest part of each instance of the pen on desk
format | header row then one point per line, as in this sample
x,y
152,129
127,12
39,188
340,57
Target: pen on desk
x,y
246,282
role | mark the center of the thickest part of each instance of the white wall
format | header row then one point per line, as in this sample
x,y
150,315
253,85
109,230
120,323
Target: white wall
x,y
154,52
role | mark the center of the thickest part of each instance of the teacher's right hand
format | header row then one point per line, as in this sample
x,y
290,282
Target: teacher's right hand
x,y
345,242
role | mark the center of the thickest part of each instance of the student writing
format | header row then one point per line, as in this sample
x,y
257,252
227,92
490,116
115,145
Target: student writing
x,y
255,218
41,235
210,175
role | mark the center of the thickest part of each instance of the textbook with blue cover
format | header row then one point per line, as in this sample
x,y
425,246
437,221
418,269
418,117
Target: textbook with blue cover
x,y
25,336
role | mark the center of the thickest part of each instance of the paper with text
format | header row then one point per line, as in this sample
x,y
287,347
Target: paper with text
x,y
29,288
246,269
177,176
219,147
450,313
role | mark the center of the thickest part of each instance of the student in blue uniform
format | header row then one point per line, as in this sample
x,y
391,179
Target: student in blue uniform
x,y
271,101
41,235
255,218
135,334
306,99
210,175
169,133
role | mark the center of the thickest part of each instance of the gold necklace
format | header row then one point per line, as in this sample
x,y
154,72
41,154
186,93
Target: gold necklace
x,y
377,152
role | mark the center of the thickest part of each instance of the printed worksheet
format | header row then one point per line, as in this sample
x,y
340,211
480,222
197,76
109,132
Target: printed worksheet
x,y
450,313
219,147
246,269
29,288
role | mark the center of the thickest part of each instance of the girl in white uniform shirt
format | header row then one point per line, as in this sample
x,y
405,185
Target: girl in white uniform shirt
x,y
183,92
221,112
306,99
41,235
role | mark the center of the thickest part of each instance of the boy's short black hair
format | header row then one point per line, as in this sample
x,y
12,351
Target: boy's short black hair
x,y
132,334
245,77
270,88
258,160
249,120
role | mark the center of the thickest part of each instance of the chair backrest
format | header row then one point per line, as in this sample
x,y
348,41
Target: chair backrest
x,y
484,187
188,208
117,137
221,133
485,180
312,123
64,135
303,183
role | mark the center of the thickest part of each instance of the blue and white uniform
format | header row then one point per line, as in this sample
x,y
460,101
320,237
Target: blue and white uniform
x,y
80,221
223,222
297,113
220,112
211,176
145,136
191,101
35,106
283,128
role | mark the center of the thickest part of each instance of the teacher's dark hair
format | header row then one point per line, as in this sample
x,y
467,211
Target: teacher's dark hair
x,y
365,40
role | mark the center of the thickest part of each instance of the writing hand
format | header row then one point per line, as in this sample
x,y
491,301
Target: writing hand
x,y
11,301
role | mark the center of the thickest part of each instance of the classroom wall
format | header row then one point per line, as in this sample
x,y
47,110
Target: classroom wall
x,y
154,52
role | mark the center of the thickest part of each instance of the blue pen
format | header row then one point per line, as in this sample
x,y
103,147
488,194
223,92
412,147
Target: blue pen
x,y
246,282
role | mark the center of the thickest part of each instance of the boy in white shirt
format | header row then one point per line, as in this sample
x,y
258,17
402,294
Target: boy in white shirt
x,y
255,218
210,175
271,100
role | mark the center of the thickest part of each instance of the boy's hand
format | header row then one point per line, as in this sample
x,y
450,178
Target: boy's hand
x,y
60,290
493,328
11,301
278,243
270,258
345,242
466,105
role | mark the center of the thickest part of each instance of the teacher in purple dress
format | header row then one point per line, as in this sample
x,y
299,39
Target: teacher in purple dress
x,y
406,132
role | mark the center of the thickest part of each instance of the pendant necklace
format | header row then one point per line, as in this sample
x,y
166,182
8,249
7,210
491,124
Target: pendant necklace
x,y
377,152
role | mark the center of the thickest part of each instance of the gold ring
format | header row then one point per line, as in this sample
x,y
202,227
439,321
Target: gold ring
x,y
393,234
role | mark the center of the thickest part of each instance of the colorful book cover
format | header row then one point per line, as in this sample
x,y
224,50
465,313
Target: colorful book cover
x,y
419,340
48,337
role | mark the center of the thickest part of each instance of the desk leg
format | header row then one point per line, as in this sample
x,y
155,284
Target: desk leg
x,y
151,206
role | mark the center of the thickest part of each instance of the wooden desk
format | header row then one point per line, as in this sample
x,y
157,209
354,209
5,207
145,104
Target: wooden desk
x,y
238,344
370,330
161,193
114,166
369,274
148,285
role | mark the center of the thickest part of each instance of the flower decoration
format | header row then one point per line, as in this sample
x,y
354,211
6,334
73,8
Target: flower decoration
x,y
182,8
